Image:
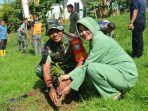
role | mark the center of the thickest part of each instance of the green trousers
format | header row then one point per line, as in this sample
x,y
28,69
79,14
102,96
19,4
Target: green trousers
x,y
106,79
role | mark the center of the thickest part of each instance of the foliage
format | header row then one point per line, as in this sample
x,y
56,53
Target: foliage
x,y
41,9
103,10
12,14
12,10
17,76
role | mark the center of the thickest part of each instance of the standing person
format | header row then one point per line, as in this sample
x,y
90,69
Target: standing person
x,y
122,6
22,36
114,6
49,18
36,31
57,51
108,67
107,27
61,20
74,16
137,25
3,38
1,51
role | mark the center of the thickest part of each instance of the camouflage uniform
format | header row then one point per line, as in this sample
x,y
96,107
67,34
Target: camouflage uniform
x,y
22,39
74,16
22,43
60,56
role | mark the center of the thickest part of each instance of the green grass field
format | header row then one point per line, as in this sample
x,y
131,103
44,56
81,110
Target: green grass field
x,y
17,77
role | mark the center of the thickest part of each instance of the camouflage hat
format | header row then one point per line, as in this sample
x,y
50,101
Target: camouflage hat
x,y
55,25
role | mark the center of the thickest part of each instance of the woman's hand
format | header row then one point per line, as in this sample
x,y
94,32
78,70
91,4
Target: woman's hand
x,y
64,92
64,77
64,86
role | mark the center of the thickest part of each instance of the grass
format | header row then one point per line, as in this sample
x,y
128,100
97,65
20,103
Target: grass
x,y
17,77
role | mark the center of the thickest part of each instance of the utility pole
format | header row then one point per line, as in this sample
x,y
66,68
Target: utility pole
x,y
25,8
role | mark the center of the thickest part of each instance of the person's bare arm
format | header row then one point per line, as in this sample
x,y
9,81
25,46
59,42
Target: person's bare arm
x,y
135,13
22,30
49,82
46,74
131,26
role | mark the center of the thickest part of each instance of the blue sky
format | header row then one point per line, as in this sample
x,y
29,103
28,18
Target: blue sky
x,y
1,1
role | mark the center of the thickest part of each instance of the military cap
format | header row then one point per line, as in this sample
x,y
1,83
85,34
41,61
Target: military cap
x,y
55,25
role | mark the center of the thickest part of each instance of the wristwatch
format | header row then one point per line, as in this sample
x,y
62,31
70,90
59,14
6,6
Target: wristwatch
x,y
131,22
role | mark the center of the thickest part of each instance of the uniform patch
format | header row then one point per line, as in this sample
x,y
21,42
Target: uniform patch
x,y
77,46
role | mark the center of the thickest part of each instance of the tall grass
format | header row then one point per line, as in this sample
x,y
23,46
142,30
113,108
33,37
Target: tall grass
x,y
17,76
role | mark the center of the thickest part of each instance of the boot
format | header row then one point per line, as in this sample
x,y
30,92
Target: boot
x,y
1,52
4,52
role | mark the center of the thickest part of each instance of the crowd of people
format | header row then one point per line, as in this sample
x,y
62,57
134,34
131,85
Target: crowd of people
x,y
106,67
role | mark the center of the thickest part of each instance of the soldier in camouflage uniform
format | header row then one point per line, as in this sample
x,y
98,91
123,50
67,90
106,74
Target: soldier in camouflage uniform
x,y
57,57
74,16
22,39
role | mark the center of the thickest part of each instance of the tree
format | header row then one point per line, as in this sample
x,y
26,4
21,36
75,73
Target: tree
x,y
12,14
40,9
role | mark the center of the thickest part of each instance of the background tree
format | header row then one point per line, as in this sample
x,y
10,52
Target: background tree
x,y
12,10
12,14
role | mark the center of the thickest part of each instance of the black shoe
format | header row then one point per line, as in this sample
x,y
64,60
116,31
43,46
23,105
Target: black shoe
x,y
136,56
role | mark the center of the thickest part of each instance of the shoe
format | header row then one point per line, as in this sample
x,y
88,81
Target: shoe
x,y
1,53
117,96
135,56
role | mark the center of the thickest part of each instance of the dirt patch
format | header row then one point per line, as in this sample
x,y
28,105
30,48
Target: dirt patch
x,y
39,102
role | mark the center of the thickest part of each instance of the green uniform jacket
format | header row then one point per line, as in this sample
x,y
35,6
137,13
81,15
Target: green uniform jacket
x,y
104,50
74,16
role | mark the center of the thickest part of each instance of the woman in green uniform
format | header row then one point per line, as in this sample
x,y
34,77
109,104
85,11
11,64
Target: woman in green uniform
x,y
109,68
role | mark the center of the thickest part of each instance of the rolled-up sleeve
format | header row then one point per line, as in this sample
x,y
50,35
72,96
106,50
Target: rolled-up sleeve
x,y
48,60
